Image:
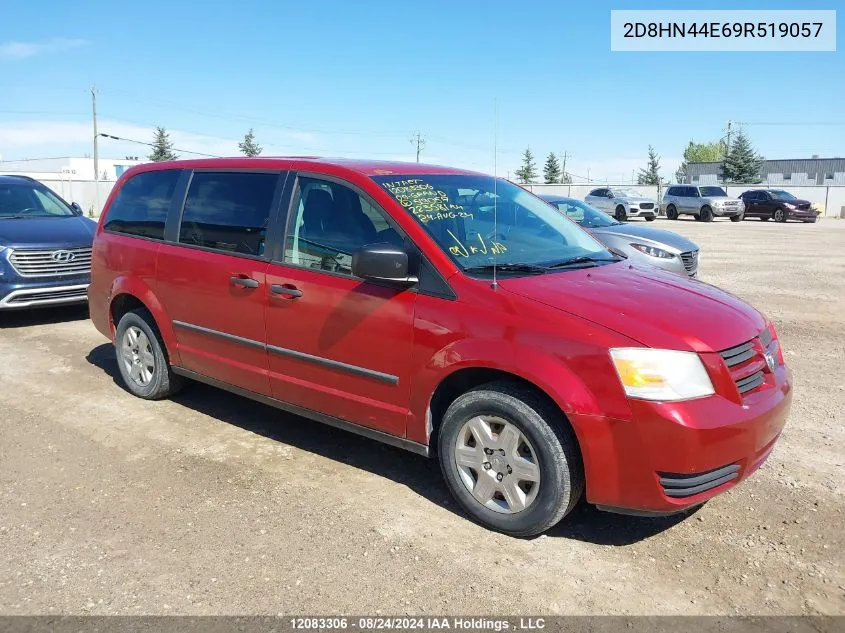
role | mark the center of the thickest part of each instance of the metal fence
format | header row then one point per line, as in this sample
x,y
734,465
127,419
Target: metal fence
x,y
830,199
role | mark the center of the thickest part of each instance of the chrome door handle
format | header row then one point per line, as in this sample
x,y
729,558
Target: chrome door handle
x,y
245,282
286,291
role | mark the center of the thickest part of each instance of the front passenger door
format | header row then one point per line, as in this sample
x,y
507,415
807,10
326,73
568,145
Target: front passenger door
x,y
338,345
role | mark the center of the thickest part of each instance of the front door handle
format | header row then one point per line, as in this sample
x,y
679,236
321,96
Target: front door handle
x,y
286,291
245,282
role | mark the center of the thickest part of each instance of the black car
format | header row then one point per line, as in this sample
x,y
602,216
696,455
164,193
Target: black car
x,y
45,246
777,204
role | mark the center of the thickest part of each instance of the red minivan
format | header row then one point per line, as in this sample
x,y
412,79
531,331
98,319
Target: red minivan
x,y
445,312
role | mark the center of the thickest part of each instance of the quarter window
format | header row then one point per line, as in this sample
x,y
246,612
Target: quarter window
x,y
228,211
142,203
329,222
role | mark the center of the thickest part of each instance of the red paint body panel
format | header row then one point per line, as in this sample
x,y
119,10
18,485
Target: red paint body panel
x,y
345,320
553,331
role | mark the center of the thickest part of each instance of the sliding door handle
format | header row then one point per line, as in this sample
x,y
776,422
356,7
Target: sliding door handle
x,y
244,282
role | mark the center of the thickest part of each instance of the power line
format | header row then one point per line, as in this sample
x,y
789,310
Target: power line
x,y
175,149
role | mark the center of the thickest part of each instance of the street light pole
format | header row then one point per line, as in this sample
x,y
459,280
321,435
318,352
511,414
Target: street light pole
x,y
96,152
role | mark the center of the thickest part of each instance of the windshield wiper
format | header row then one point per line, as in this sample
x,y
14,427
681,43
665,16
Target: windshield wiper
x,y
582,260
508,268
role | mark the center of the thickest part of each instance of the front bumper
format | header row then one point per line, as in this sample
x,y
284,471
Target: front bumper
x,y
636,212
723,212
673,456
20,295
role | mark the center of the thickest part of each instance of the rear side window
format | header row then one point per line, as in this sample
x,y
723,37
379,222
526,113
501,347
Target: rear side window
x,y
228,211
142,203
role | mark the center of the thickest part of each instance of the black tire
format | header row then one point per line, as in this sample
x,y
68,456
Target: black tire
x,y
780,215
649,218
738,217
672,212
706,214
557,454
620,214
164,382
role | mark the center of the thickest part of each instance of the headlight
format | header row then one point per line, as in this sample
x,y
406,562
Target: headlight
x,y
661,374
653,251
789,205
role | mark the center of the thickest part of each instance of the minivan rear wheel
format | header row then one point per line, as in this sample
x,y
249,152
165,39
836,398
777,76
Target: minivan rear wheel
x,y
620,214
671,212
141,357
510,459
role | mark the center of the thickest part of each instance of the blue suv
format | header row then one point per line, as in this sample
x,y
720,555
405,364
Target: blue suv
x,y
45,246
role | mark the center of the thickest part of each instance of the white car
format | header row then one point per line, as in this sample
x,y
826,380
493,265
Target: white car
x,y
622,203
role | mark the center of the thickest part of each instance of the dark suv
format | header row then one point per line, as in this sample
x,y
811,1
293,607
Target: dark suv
x,y
779,205
45,246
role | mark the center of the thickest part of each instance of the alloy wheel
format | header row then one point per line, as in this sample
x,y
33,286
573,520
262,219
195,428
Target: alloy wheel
x,y
497,464
137,356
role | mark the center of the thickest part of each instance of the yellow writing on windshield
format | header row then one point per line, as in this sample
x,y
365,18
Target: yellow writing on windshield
x,y
461,250
424,201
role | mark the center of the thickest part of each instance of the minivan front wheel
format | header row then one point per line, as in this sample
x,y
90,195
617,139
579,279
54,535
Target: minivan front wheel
x,y
141,357
510,459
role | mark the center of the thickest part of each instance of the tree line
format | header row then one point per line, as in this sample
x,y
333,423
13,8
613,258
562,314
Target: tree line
x,y
740,163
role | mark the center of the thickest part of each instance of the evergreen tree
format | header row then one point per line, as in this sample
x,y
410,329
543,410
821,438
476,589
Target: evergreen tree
x,y
742,164
248,146
527,173
700,153
551,171
651,174
162,147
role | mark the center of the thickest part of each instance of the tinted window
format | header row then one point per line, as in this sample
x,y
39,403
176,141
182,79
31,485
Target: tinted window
x,y
596,192
228,211
690,192
329,222
713,191
141,205
672,191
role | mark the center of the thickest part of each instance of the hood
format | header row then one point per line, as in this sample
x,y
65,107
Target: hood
x,y
657,308
636,199
799,202
644,233
54,232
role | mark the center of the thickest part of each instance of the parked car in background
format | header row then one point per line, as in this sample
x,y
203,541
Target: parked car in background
x,y
641,244
446,312
704,202
45,246
778,205
622,203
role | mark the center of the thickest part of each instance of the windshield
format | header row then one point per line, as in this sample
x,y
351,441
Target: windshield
x,y
625,193
458,212
782,195
583,214
707,192
27,201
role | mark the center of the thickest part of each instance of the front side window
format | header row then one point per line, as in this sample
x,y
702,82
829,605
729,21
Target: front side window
x,y
782,195
228,211
708,192
477,220
28,201
142,203
329,222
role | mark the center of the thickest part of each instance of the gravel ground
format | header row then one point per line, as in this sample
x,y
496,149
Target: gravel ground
x,y
211,504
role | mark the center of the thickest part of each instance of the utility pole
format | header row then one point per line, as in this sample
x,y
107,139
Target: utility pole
x,y
419,141
588,175
96,152
563,158
728,140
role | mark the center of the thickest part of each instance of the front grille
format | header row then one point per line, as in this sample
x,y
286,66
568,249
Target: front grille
x,y
48,295
690,260
687,485
51,263
747,363
804,207
646,205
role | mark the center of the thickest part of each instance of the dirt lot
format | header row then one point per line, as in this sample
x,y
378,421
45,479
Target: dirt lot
x,y
212,504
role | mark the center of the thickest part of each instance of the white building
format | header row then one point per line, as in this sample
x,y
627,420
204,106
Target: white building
x,y
68,168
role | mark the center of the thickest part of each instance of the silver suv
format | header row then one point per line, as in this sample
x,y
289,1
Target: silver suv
x,y
622,203
704,203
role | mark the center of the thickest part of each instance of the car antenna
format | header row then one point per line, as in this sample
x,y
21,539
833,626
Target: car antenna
x,y
495,283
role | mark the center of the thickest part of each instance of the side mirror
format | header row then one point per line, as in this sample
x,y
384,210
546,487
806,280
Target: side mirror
x,y
382,262
77,210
